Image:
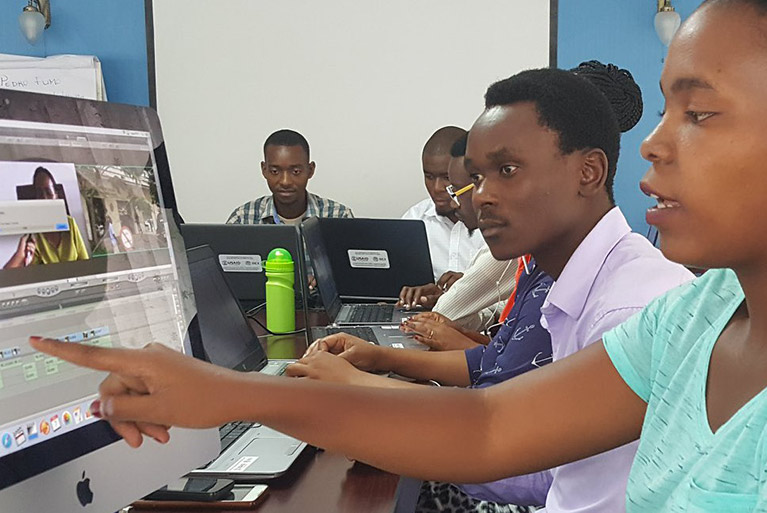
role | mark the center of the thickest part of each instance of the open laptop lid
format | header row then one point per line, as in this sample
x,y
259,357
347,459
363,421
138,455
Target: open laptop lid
x,y
241,250
375,258
323,272
221,333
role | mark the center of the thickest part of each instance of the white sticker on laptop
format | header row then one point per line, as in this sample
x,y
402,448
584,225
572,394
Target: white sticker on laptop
x,y
240,263
242,464
368,258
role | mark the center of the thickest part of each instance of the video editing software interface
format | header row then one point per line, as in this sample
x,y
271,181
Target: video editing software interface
x,y
85,257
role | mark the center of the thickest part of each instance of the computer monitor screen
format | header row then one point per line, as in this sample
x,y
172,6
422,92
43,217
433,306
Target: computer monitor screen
x,y
86,256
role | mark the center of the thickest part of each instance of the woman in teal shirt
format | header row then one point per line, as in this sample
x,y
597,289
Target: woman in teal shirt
x,y
689,373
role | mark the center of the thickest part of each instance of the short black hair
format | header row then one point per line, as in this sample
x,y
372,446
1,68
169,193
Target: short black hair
x,y
458,149
43,171
286,137
569,105
440,141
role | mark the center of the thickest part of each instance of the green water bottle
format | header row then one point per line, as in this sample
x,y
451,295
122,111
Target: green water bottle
x,y
280,296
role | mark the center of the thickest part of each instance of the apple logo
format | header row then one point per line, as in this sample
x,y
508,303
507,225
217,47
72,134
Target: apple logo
x,y
84,493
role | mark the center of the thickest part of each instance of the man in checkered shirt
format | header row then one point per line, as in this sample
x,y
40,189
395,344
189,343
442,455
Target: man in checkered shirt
x,y
287,169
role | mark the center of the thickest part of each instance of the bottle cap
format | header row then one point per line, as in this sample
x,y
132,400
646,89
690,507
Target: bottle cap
x,y
279,260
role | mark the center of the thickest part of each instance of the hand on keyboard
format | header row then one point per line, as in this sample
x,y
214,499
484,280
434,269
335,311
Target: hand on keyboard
x,y
324,366
356,351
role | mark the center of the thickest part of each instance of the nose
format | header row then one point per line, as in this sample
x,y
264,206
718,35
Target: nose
x,y
482,194
441,183
285,179
656,147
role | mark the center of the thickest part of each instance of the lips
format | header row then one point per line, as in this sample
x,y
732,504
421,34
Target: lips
x,y
662,201
665,209
490,226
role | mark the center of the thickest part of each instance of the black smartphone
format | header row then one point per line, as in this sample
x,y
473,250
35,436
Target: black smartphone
x,y
201,489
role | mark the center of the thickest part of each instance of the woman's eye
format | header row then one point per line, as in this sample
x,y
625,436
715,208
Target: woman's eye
x,y
698,117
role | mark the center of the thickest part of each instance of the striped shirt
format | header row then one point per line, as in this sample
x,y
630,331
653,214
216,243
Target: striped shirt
x,y
475,300
261,210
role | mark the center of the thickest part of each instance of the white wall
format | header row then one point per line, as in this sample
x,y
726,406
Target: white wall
x,y
365,82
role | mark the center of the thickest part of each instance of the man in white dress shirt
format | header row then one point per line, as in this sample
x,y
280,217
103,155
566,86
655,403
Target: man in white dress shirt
x,y
451,244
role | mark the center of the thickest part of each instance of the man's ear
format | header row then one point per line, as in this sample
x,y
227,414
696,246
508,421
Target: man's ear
x,y
593,172
311,169
263,168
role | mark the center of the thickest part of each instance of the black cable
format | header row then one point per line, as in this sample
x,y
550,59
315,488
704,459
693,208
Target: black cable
x,y
251,314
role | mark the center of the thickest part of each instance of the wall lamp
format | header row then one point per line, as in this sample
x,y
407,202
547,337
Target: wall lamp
x,y
34,18
667,21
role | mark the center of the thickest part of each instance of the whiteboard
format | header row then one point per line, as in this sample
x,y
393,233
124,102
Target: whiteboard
x,y
365,82
78,76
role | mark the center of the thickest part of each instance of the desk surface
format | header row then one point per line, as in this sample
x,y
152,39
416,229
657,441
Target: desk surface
x,y
321,481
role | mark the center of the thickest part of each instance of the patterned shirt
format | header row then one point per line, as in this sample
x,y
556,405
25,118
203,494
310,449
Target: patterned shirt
x,y
521,345
663,354
261,210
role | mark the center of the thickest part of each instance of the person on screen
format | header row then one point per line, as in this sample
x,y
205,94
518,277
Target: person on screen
x,y
50,247
287,169
111,234
451,243
25,253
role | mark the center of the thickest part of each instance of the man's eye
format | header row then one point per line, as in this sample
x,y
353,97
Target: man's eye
x,y
508,170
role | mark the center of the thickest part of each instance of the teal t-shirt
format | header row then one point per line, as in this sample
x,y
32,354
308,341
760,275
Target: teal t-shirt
x,y
663,354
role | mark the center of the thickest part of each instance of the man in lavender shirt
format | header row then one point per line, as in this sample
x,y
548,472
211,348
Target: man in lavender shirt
x,y
613,274
543,158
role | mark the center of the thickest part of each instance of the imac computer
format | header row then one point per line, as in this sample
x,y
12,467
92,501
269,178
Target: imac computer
x,y
89,254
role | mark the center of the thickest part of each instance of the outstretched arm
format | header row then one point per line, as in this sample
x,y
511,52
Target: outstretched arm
x,y
568,410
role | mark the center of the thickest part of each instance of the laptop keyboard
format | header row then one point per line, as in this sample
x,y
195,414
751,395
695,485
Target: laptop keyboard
x,y
229,433
363,332
371,313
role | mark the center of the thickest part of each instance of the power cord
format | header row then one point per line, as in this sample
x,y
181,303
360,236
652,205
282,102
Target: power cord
x,y
251,314
492,318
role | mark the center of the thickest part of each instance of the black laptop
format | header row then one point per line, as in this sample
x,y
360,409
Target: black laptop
x,y
221,334
372,259
241,250
338,312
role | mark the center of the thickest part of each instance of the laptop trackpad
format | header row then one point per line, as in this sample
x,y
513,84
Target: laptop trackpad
x,y
273,455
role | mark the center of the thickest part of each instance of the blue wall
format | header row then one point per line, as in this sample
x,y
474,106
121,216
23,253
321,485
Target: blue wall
x,y
621,33
112,30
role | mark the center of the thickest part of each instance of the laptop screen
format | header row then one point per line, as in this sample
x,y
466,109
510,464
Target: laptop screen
x,y
224,338
323,273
